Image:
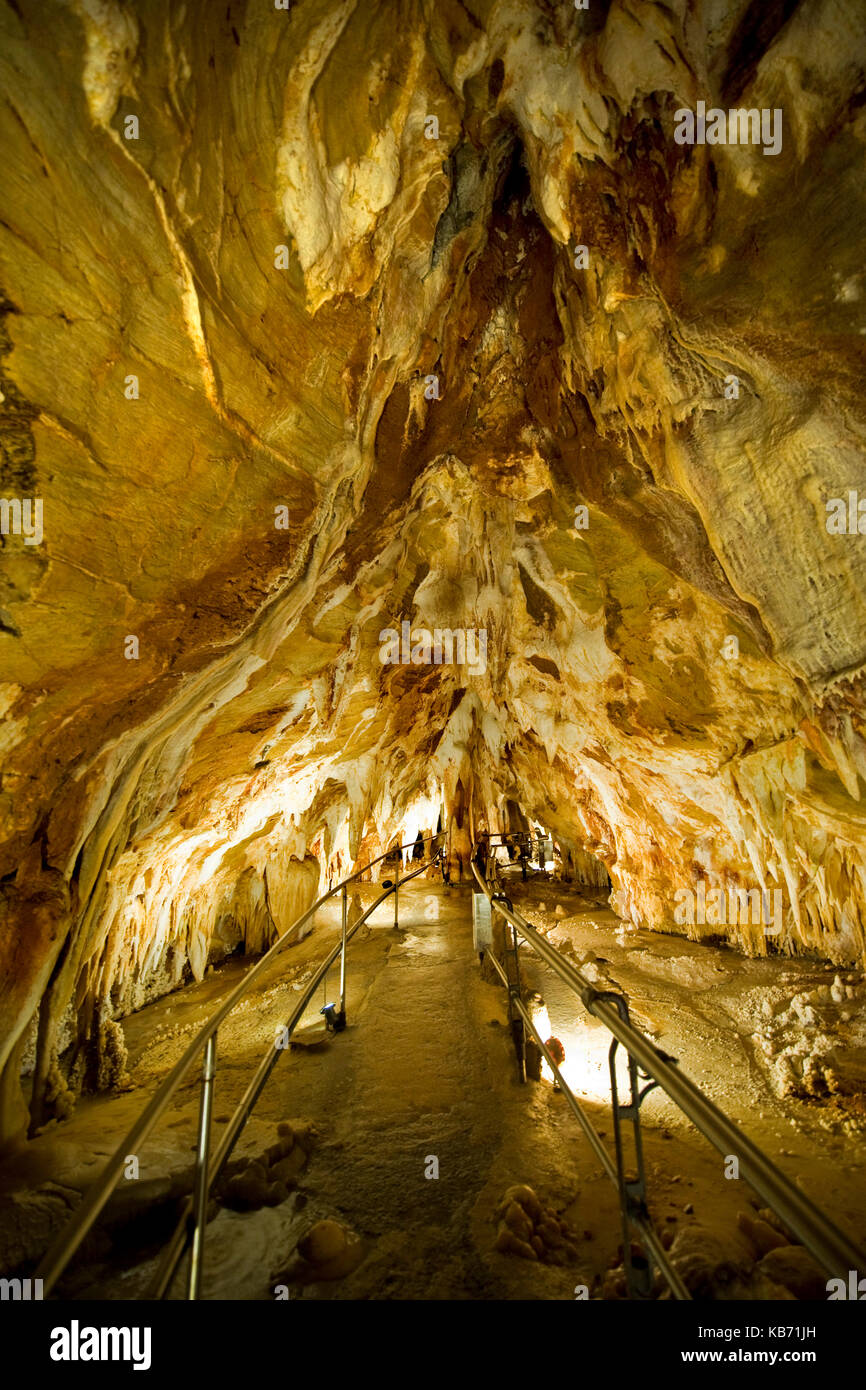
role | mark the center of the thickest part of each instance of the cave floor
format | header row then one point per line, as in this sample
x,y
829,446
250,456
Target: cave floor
x,y
426,1070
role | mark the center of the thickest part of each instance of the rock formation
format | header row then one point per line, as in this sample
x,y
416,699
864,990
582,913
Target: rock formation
x,y
323,320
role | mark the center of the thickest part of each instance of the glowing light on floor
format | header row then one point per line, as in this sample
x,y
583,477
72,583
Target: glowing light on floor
x,y
586,1069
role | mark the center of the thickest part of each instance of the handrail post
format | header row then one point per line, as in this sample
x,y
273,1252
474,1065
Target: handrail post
x,y
396,886
343,954
199,1214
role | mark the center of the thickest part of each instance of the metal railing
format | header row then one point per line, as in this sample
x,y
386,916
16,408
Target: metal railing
x,y
190,1227
836,1254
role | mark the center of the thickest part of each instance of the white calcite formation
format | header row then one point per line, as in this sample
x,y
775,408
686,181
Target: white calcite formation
x,y
320,320
812,1042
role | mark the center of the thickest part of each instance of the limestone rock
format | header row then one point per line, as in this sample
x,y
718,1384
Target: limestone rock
x,y
761,1234
287,1170
517,1221
508,1243
323,1242
526,1228
524,1197
702,1262
794,1269
327,1251
248,1189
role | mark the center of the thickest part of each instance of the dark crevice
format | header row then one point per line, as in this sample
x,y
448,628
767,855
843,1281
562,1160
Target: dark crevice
x,y
759,26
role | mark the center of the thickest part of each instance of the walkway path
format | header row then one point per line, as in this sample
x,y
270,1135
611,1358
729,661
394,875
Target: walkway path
x,y
425,1071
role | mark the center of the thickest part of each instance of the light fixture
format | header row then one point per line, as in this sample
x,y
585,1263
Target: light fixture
x,y
335,1021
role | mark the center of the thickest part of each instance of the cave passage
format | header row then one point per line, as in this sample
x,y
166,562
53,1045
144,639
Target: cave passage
x,y
431,417
411,1126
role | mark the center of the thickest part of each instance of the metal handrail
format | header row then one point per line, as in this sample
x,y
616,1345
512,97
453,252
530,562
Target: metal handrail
x,y
180,1237
830,1246
638,1220
57,1257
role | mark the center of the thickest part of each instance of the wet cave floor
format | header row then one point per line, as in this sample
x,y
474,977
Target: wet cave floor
x,y
426,1071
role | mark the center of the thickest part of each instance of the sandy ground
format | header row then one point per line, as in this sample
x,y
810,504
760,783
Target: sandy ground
x,y
426,1070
